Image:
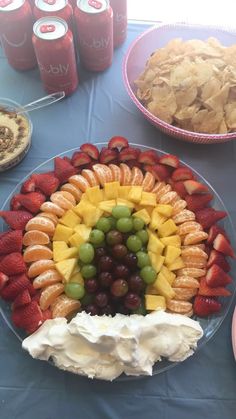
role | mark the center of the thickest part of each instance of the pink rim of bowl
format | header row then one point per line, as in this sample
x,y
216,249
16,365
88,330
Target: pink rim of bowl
x,y
154,38
234,333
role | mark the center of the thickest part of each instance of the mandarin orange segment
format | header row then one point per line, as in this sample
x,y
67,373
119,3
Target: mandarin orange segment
x,y
195,238
49,215
52,208
103,173
40,266
35,237
197,263
184,294
64,306
177,306
137,176
178,206
185,282
158,186
115,170
194,251
90,177
125,174
193,272
148,182
37,252
169,198
49,277
41,224
76,192
69,196
189,227
183,217
79,182
49,295
59,199
162,191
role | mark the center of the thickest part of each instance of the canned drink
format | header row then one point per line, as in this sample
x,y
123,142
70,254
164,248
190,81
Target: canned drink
x,y
54,49
59,8
16,27
94,25
119,8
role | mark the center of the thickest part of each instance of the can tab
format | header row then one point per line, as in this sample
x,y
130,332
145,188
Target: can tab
x,y
5,3
50,2
95,3
47,28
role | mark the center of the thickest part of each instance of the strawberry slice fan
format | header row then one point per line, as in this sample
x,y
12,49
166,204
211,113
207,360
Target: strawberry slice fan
x,y
174,230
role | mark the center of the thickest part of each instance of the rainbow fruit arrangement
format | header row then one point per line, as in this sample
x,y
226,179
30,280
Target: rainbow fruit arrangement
x,y
116,231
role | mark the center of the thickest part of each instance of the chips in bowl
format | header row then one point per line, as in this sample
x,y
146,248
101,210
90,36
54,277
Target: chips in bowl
x,y
191,85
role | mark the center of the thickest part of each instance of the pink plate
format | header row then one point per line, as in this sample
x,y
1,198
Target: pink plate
x,y
157,37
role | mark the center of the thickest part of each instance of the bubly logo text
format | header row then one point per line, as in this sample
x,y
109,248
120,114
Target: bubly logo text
x,y
96,43
57,70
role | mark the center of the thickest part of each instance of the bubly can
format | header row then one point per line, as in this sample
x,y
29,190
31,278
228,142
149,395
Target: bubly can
x,y
119,8
54,49
94,26
59,8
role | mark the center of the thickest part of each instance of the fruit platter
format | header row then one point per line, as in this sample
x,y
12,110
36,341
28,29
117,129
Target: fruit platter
x,y
115,258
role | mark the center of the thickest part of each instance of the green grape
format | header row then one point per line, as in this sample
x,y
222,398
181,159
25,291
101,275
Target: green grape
x,y
140,310
143,259
86,252
134,243
138,223
96,236
74,290
112,221
104,224
143,235
124,224
87,299
148,274
121,211
88,271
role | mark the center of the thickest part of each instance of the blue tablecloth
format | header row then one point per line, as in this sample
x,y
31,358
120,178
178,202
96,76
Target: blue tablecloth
x,y
202,386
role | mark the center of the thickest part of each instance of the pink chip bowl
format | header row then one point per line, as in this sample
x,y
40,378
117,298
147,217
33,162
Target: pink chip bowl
x,y
157,37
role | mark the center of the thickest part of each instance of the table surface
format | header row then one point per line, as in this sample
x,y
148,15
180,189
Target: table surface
x,y
203,384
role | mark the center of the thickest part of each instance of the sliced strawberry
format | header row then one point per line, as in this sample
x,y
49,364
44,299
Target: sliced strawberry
x,y
108,155
47,183
222,245
15,204
212,233
118,142
28,317
216,277
28,186
32,201
15,286
3,280
204,289
170,160
129,153
67,159
13,264
149,157
217,258
17,220
91,150
47,314
209,216
11,242
22,299
161,172
198,201
180,188
80,158
63,169
193,187
134,163
204,306
182,173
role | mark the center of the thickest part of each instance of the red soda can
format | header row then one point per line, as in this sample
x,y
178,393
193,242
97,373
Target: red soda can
x,y
54,49
119,8
94,25
60,8
16,27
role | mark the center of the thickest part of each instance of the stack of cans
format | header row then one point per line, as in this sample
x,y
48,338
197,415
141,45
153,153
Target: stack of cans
x,y
45,32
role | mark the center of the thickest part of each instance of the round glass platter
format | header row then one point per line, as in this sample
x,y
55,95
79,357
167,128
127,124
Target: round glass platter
x,y
210,324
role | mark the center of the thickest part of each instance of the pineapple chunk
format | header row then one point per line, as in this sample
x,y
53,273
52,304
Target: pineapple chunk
x,y
177,264
121,201
76,240
167,228
139,207
91,216
143,214
62,233
95,195
81,207
107,205
156,219
163,287
165,210
156,261
154,244
135,193
61,251
84,231
111,190
171,254
172,241
70,219
150,290
148,199
66,267
77,277
123,192
155,302
170,276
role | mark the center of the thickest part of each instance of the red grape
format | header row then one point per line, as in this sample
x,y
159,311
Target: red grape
x,y
114,237
92,309
131,261
119,288
105,264
132,301
107,310
121,271
105,279
136,284
119,251
99,252
91,285
101,299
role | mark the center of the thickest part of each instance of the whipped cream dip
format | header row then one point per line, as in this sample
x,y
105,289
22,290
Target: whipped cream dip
x,y
105,347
